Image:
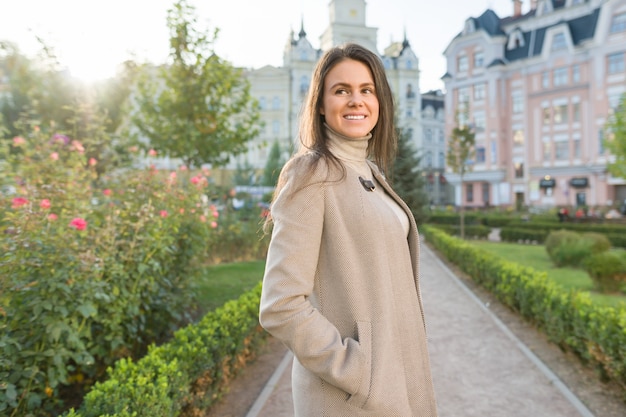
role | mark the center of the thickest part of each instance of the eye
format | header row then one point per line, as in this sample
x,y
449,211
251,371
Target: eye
x,y
341,91
368,90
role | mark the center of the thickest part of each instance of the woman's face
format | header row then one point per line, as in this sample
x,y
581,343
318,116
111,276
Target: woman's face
x,y
349,102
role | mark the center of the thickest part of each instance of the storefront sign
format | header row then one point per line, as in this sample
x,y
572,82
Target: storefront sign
x,y
547,183
579,182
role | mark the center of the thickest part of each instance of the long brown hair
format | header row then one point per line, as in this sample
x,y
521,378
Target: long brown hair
x,y
382,145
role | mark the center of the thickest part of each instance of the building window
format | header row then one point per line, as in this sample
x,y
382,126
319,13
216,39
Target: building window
x,y
469,193
428,134
441,160
577,148
518,138
518,102
479,91
479,121
576,112
547,116
304,84
519,169
262,103
486,193
441,138
480,155
276,103
494,155
601,142
561,151
409,133
559,42
545,79
516,40
479,59
429,159
463,95
576,73
276,127
616,63
619,23
560,76
462,63
547,150
560,114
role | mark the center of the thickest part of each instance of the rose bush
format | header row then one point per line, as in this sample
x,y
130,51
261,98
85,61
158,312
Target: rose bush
x,y
93,267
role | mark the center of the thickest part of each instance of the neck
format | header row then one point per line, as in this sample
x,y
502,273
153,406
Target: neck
x,y
346,148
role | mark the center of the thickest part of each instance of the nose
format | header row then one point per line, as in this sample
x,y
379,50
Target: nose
x,y
356,100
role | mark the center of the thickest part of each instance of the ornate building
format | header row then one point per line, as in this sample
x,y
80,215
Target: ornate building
x,y
281,90
539,87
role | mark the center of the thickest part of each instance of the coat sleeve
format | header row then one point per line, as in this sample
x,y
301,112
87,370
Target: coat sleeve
x,y
286,311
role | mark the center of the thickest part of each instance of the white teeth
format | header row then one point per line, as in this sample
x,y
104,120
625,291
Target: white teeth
x,y
355,117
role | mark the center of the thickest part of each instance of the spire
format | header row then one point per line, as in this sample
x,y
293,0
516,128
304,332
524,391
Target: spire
x,y
405,42
302,33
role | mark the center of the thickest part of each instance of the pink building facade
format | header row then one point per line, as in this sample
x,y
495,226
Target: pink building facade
x,y
538,88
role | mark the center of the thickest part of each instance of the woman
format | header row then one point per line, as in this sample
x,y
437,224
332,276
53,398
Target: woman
x,y
341,285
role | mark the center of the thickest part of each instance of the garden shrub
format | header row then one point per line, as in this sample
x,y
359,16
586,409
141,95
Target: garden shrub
x,y
188,374
597,334
607,270
93,267
567,248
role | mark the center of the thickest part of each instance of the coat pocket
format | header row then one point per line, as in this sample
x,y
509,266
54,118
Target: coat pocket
x,y
364,337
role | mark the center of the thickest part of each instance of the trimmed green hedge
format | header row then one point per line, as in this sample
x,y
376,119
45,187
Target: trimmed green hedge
x,y
570,319
186,375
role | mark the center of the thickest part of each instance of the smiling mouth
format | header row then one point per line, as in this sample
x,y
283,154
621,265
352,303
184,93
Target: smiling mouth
x,y
350,117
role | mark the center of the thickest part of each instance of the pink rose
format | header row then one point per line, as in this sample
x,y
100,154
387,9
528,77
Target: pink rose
x,y
19,202
214,225
54,156
107,192
216,214
195,180
163,213
18,140
52,217
78,223
45,204
152,152
92,162
203,218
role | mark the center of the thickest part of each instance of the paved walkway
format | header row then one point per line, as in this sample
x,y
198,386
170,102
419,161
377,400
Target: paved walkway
x,y
480,368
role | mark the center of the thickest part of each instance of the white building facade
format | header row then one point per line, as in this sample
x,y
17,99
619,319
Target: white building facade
x,y
539,88
281,90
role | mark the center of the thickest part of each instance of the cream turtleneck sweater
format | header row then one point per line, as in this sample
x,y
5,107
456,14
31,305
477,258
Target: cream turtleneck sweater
x,y
352,152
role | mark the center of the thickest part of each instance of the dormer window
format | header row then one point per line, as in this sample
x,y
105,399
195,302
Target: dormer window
x,y
470,27
545,6
462,63
559,42
619,23
516,40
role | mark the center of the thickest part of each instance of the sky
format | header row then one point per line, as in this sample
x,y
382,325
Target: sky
x,y
91,38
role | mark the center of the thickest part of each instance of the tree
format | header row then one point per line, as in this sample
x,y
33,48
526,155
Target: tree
x,y
197,107
407,177
273,166
617,139
460,152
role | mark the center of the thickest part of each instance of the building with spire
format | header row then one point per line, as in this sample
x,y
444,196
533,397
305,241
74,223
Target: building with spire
x,y
280,91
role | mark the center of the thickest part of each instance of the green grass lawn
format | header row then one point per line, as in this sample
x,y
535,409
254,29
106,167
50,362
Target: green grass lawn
x,y
536,257
221,283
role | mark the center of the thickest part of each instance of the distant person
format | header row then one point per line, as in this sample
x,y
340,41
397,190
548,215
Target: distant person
x,y
341,284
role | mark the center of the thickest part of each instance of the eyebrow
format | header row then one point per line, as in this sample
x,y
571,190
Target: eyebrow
x,y
344,84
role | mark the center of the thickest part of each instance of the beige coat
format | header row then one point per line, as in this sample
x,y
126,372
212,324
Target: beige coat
x,y
341,290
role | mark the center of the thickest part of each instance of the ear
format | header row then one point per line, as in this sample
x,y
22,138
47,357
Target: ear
x,y
322,111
